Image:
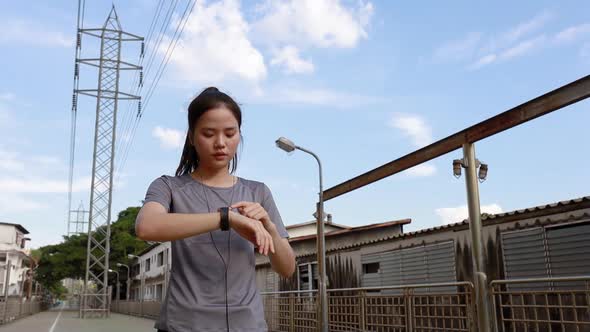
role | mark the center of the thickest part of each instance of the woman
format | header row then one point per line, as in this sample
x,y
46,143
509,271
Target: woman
x,y
214,220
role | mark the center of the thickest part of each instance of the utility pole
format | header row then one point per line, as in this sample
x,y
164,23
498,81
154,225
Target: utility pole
x,y
107,96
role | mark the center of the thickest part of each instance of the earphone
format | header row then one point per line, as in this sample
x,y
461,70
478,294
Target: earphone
x,y
226,266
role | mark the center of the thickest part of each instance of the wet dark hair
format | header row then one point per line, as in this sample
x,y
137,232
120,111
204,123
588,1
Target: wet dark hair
x,y
209,99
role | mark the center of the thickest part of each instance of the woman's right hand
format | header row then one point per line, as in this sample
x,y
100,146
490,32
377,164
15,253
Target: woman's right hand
x,y
253,231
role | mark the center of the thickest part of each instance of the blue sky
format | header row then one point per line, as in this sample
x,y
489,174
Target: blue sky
x,y
360,83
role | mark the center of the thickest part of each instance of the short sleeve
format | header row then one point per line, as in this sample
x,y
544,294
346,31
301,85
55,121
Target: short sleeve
x,y
159,191
268,203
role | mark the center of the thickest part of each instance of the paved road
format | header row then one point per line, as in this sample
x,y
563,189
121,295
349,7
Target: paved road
x,y
68,321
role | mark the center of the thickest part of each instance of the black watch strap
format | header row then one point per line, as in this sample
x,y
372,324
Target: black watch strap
x,y
224,213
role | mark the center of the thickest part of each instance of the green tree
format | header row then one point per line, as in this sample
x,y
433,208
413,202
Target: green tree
x,y
68,258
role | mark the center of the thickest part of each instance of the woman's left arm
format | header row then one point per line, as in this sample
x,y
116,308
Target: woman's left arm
x,y
283,259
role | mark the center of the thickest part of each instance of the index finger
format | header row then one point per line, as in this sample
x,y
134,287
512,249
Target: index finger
x,y
241,204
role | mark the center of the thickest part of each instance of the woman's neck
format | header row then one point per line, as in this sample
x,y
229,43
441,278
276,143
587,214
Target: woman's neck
x,y
213,177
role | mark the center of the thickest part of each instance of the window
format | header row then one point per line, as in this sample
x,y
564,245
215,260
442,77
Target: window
x,y
147,265
547,252
308,276
159,289
3,257
371,268
161,258
433,263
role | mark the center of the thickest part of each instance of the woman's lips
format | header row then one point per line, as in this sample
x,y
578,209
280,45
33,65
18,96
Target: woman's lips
x,y
219,156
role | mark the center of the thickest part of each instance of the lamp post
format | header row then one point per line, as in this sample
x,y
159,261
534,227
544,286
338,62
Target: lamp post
x,y
141,274
128,272
113,271
288,146
475,170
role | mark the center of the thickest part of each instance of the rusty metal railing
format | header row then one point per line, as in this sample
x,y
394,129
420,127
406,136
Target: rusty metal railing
x,y
542,304
421,307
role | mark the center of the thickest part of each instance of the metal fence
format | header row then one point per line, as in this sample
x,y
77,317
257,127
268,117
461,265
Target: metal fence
x,y
148,309
93,304
542,304
15,308
428,307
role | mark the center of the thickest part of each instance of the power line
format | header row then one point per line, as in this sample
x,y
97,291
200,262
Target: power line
x,y
74,111
147,69
161,69
128,117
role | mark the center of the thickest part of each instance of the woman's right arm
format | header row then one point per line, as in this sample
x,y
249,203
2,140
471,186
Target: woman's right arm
x,y
154,223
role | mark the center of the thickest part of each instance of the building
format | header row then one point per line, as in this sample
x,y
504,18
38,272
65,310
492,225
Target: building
x,y
310,228
14,258
149,273
550,240
304,246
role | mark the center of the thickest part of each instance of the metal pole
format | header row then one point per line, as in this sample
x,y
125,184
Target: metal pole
x,y
479,276
6,286
127,291
166,274
321,253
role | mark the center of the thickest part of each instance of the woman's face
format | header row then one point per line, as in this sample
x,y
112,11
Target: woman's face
x,y
216,137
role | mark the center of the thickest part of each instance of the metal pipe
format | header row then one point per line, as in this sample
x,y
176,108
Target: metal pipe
x,y
540,106
481,293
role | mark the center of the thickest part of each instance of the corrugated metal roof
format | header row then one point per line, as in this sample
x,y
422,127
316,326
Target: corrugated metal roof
x,y
485,218
354,229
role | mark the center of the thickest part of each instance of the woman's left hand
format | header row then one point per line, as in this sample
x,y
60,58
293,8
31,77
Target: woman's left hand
x,y
254,211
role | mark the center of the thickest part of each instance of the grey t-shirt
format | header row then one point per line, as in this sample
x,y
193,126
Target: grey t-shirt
x,y
195,300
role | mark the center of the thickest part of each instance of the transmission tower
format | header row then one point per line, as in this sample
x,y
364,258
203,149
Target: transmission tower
x,y
77,221
95,302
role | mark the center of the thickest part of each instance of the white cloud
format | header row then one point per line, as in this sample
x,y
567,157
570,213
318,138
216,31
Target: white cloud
x,y
215,46
169,138
288,57
315,96
322,23
7,96
413,126
422,170
526,28
480,52
460,213
28,32
521,49
42,185
10,202
9,161
572,33
485,60
458,49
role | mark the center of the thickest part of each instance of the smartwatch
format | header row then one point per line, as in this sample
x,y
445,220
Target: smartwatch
x,y
224,213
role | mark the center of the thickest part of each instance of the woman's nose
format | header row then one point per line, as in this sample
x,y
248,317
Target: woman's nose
x,y
220,141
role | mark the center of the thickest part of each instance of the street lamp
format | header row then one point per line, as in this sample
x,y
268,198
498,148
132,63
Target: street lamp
x,y
113,271
474,171
288,146
141,274
128,272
